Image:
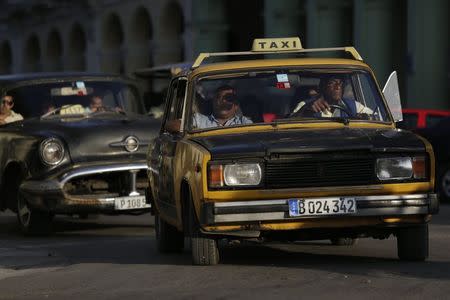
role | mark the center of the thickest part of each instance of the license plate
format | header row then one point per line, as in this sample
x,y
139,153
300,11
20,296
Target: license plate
x,y
314,207
130,202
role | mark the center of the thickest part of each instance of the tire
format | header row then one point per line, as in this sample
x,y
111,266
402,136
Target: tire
x,y
168,238
443,183
343,241
32,221
204,249
412,243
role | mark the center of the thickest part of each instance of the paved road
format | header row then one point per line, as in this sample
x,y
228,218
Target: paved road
x,y
115,258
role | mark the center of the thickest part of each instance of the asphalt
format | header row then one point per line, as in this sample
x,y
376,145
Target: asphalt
x,y
115,258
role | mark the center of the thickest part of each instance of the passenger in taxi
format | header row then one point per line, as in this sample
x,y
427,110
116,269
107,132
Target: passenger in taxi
x,y
330,101
225,111
7,115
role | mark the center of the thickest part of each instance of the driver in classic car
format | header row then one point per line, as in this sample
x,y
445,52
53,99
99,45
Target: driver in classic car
x,y
330,101
95,105
7,115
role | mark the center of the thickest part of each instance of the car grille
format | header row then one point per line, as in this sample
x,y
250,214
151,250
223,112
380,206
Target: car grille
x,y
112,184
291,171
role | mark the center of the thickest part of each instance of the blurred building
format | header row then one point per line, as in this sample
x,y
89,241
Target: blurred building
x,y
411,36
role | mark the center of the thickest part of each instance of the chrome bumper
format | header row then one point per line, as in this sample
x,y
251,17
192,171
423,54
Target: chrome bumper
x,y
49,194
278,210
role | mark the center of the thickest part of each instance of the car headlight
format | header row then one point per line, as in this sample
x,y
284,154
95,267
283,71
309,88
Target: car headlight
x,y
401,168
244,174
52,151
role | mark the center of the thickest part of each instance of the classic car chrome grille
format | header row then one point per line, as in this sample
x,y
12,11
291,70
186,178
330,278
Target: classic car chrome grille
x,y
320,170
119,183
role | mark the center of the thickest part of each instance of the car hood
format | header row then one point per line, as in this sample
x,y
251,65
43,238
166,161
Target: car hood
x,y
98,139
251,144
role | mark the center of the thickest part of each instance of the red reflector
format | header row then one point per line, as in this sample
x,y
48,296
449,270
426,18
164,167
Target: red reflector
x,y
283,85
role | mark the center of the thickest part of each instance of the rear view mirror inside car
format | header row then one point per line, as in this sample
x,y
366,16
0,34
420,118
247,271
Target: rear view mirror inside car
x,y
71,91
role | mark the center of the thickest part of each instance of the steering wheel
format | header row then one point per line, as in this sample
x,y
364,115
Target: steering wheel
x,y
342,108
307,109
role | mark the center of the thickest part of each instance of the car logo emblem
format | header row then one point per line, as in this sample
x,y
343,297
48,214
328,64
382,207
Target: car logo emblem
x,y
131,144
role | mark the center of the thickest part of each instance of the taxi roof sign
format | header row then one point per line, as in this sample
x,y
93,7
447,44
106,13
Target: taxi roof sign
x,y
278,44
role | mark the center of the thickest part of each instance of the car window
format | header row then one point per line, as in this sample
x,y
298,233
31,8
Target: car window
x,y
285,95
38,99
175,101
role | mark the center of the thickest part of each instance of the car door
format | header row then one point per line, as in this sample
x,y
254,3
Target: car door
x,y
168,141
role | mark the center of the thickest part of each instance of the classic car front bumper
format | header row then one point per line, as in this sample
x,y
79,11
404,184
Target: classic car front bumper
x,y
278,210
50,195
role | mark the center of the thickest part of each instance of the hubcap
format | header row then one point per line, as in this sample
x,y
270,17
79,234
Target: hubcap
x,y
23,211
446,183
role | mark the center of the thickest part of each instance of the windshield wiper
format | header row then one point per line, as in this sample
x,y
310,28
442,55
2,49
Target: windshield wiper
x,y
342,120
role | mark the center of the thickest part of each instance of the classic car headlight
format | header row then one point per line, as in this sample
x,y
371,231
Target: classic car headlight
x,y
245,174
52,151
400,168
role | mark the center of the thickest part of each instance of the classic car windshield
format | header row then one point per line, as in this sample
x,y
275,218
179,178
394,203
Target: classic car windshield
x,y
285,96
75,97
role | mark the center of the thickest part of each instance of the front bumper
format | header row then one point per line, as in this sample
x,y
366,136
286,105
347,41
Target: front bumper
x,y
223,213
50,194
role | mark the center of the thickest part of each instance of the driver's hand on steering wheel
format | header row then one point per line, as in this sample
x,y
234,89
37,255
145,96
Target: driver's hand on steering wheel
x,y
320,105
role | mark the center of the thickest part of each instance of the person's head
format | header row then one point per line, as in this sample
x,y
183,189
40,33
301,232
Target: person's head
x,y
7,104
331,88
225,103
96,103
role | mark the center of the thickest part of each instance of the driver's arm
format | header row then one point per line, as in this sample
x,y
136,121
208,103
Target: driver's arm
x,y
320,105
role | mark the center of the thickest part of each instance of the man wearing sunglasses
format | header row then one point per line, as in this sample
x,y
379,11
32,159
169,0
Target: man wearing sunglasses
x,y
7,115
226,111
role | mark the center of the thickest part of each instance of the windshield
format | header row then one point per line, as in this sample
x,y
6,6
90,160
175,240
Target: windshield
x,y
285,96
75,97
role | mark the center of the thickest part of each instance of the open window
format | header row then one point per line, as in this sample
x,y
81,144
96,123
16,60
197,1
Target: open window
x,y
175,105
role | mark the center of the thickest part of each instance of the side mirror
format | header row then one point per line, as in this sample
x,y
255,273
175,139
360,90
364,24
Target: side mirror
x,y
173,126
392,96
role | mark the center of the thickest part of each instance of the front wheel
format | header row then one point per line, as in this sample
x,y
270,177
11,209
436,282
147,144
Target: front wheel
x,y
443,183
31,221
205,250
412,243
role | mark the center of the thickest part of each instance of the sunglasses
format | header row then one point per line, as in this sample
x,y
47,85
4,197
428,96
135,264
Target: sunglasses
x,y
7,102
230,98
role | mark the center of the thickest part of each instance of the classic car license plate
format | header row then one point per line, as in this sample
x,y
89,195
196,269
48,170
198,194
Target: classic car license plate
x,y
313,207
130,202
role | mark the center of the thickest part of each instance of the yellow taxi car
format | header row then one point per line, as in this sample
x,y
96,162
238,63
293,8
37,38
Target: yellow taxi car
x,y
287,148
